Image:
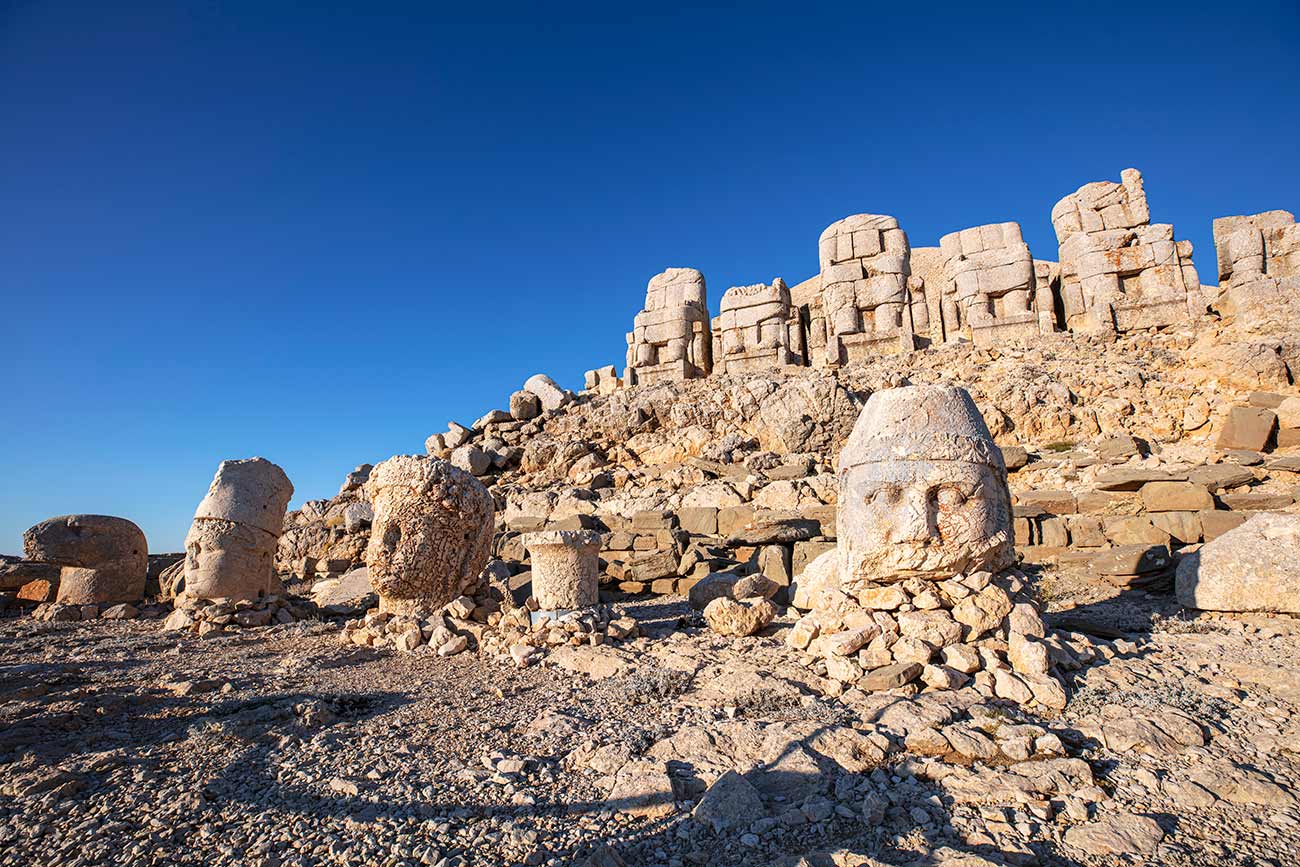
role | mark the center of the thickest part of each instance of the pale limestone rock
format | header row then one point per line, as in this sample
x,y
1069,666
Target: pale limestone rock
x,y
230,548
1259,265
819,575
602,380
1254,567
105,559
757,328
471,459
524,405
991,288
1120,272
923,490
731,802
739,617
1123,834
670,338
550,395
432,533
566,568
865,300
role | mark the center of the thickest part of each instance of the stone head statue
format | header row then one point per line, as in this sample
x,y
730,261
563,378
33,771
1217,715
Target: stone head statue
x,y
922,490
431,535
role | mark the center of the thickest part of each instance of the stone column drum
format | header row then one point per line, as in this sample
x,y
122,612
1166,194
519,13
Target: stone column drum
x,y
431,535
922,490
566,568
230,549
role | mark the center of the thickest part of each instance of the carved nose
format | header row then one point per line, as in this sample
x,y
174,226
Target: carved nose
x,y
914,524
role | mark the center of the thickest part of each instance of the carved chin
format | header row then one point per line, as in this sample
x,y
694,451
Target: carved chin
x,y
900,560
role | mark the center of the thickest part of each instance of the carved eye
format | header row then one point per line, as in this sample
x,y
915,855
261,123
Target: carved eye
x,y
949,497
886,496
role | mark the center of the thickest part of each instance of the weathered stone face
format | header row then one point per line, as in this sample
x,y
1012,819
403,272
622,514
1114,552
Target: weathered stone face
x,y
431,535
922,490
566,568
106,558
230,548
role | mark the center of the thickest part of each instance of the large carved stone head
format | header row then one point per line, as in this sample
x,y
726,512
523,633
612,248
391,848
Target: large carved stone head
x,y
922,490
431,535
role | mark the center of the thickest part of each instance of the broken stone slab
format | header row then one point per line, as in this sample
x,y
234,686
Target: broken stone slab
x,y
642,788
1247,428
731,802
1175,497
890,676
1127,478
1124,834
1255,567
1221,477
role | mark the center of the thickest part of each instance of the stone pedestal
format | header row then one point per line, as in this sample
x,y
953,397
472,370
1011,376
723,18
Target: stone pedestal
x,y
566,569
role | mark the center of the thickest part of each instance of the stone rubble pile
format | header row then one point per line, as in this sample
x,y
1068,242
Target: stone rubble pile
x,y
211,617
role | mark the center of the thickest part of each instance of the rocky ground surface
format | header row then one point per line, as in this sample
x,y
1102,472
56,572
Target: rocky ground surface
x,y
123,743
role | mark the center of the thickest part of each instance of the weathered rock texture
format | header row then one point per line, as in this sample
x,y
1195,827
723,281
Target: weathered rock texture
x,y
104,559
757,328
230,548
670,339
865,300
1259,264
922,490
1119,271
991,292
566,568
432,533
1255,567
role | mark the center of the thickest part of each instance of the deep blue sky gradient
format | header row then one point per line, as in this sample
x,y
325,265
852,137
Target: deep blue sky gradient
x,y
316,234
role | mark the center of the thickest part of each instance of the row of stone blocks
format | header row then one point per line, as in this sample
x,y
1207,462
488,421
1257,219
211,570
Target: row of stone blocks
x,y
875,295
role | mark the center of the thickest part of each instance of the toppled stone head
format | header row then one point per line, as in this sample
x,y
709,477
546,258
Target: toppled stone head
x,y
922,490
431,535
230,548
104,558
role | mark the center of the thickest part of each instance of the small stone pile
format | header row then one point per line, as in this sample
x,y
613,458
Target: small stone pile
x,y
60,612
979,630
205,617
514,634
456,626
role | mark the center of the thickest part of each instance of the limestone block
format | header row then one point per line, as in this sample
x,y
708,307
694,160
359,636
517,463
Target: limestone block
x,y
739,618
524,405
431,536
1255,567
1175,497
923,490
550,395
566,568
670,337
254,492
108,555
865,298
1248,428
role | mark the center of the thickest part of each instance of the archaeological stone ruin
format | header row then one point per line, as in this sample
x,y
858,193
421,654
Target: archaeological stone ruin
x,y
929,556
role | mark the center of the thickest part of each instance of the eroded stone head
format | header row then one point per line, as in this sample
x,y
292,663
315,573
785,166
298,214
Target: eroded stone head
x,y
922,490
431,535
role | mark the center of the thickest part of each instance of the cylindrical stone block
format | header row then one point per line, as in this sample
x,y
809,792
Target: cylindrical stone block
x,y
566,568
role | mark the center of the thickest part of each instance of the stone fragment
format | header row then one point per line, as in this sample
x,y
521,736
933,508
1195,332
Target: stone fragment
x,y
739,618
1175,497
1255,567
471,459
566,568
642,788
1121,835
101,558
524,405
1248,428
432,533
550,395
983,612
731,802
890,676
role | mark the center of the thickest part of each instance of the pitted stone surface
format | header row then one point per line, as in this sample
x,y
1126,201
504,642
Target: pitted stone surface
x,y
108,556
431,535
252,491
922,490
566,568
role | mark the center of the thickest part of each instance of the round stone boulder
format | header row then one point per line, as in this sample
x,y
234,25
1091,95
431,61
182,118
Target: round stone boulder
x,y
431,535
566,568
106,559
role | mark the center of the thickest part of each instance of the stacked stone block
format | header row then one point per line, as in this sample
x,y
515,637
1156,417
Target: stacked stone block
x,y
757,328
1119,271
1259,260
992,291
671,339
865,292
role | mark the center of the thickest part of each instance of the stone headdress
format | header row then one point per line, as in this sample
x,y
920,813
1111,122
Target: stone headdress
x,y
921,423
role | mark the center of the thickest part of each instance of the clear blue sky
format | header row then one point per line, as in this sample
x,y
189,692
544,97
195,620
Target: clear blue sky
x,y
292,230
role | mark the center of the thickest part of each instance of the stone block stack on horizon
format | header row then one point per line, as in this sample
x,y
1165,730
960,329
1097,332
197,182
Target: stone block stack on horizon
x,y
230,548
865,299
756,329
1259,262
670,339
1119,271
991,290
